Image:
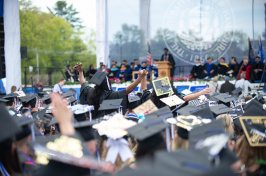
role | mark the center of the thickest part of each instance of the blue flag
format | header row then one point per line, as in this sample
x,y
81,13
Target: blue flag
x,y
250,53
260,52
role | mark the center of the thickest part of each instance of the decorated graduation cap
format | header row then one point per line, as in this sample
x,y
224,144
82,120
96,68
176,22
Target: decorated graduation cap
x,y
162,86
188,122
220,109
8,126
80,112
145,108
98,77
254,128
172,100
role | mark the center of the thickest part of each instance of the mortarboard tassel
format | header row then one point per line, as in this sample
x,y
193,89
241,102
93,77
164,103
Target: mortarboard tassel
x,y
3,170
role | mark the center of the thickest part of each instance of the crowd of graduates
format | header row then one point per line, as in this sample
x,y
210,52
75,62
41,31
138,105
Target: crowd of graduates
x,y
158,131
253,71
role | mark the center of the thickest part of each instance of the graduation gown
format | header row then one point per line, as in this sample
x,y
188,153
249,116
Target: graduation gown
x,y
85,91
213,67
235,68
260,67
196,69
27,163
222,69
172,61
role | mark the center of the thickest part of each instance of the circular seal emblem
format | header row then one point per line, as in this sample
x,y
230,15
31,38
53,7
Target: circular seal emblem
x,y
198,30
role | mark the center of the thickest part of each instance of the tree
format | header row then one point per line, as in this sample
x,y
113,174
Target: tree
x,y
67,12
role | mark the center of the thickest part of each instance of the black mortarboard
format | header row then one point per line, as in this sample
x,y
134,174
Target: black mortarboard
x,y
52,122
28,98
237,92
72,90
225,98
41,94
164,112
251,103
133,99
85,130
24,123
72,100
67,94
220,109
254,128
98,77
3,100
39,115
10,97
148,128
202,132
81,116
204,113
8,126
188,110
110,104
162,86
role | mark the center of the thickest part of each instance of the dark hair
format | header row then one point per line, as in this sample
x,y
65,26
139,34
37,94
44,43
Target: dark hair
x,y
234,58
136,59
62,79
258,57
32,103
9,158
166,49
209,58
102,66
95,95
222,58
9,103
124,60
123,64
91,66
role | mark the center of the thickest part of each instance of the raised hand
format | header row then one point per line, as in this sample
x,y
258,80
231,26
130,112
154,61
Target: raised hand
x,y
205,91
78,67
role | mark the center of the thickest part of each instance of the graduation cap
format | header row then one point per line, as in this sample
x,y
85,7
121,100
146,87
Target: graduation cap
x,y
225,98
41,94
172,100
8,126
46,99
237,112
24,122
10,97
162,86
200,133
254,128
68,94
110,104
251,103
204,113
220,109
164,112
146,107
72,100
237,91
188,122
85,130
20,93
148,128
132,99
3,100
52,122
72,90
98,77
28,98
39,115
188,110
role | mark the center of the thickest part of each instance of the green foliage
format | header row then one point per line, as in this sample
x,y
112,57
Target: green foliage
x,y
55,39
67,12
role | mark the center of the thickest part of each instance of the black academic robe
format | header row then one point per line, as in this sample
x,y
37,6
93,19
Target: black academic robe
x,y
235,68
257,75
222,69
172,61
27,163
196,69
90,71
227,87
85,91
212,68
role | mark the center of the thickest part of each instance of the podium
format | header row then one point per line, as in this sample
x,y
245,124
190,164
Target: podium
x,y
164,68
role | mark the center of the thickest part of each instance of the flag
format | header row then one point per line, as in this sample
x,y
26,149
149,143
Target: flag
x,y
251,57
149,58
260,51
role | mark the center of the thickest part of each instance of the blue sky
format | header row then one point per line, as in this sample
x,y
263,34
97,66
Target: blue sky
x,y
127,11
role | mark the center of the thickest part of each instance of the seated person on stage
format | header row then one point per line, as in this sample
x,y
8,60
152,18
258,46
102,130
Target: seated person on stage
x,y
104,69
147,67
115,63
233,67
168,57
222,67
209,69
245,68
257,69
156,72
90,72
101,63
113,71
136,63
196,70
69,74
126,64
122,72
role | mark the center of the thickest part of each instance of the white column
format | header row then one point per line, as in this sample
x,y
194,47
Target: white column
x,y
144,18
102,47
12,44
